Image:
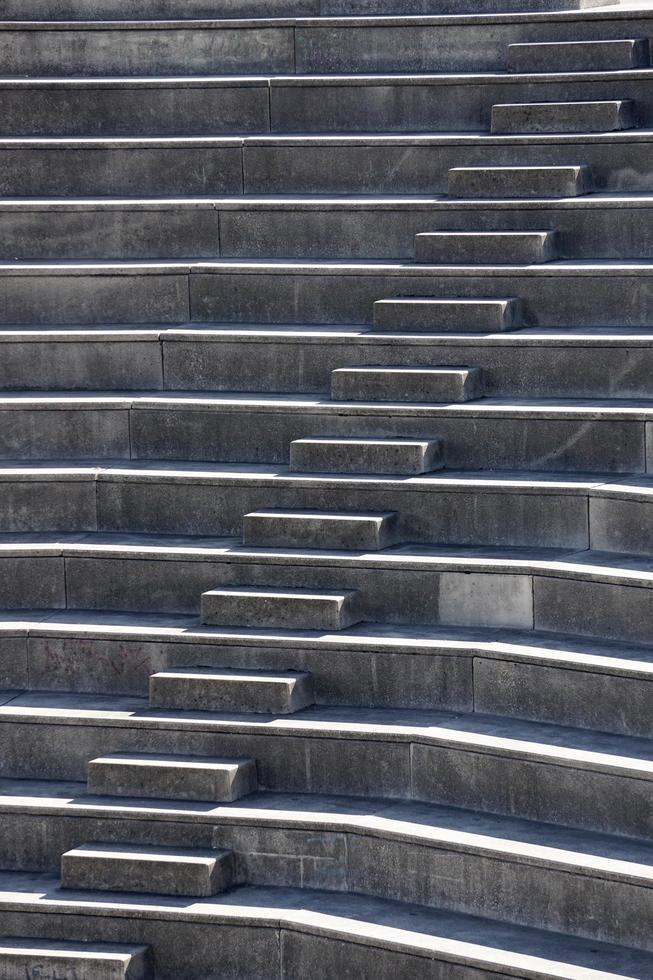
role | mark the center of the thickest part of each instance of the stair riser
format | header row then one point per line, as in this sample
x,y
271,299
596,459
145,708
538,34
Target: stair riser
x,y
135,232
567,445
523,371
374,169
132,110
498,783
517,599
364,47
128,108
107,52
120,170
403,870
550,298
20,10
557,299
183,950
131,233
457,680
412,168
378,678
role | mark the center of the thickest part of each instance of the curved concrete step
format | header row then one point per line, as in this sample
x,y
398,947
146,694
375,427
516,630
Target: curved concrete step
x,y
173,777
506,766
383,849
564,679
152,870
328,933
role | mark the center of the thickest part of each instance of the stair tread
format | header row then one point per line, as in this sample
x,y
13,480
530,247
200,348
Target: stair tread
x,y
395,925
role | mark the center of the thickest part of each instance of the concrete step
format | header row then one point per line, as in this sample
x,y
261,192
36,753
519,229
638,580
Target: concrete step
x,y
562,117
346,228
390,848
370,164
264,608
148,101
485,247
172,777
151,870
365,455
337,932
412,314
213,689
510,433
347,530
557,678
20,958
614,54
526,182
573,778
463,507
406,384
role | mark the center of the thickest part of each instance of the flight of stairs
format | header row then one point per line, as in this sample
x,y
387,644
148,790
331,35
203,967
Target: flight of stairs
x,y
326,522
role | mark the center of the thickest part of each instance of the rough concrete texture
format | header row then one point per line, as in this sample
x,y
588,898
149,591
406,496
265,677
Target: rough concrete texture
x,y
326,518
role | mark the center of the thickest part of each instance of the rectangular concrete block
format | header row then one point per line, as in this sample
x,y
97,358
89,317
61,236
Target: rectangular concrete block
x,y
485,247
406,384
266,608
426,315
561,56
46,959
172,777
562,117
406,456
149,870
214,689
519,182
320,529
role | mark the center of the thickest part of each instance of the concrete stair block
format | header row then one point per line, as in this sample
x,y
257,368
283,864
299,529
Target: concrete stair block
x,y
345,531
47,959
414,314
267,608
218,690
149,870
172,777
519,182
563,56
366,455
562,117
406,384
486,247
